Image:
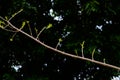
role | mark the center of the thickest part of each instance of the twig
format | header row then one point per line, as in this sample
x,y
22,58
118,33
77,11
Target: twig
x,y
104,60
59,42
11,39
10,20
29,27
2,18
40,32
9,30
93,54
57,45
15,14
4,28
82,48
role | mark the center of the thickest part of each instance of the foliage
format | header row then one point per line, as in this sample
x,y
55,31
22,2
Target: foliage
x,y
87,26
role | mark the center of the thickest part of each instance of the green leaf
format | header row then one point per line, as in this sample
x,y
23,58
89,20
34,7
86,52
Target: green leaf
x,y
60,40
82,44
28,22
76,52
2,23
36,30
6,17
49,26
11,39
23,24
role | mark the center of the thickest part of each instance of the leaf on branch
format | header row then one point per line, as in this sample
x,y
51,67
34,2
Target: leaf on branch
x,y
11,39
93,53
82,47
104,60
23,24
49,26
76,52
60,40
27,22
36,30
6,17
2,24
82,44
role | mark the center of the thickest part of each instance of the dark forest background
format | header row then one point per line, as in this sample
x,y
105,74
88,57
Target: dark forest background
x,y
97,22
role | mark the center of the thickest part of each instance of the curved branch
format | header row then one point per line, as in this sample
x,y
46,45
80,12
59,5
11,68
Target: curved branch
x,y
62,52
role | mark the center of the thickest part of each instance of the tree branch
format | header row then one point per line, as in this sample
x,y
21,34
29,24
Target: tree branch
x,y
59,51
62,52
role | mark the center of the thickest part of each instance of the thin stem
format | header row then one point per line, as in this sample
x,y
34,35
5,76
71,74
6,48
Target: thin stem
x,y
10,30
104,60
15,14
57,45
82,52
11,39
40,32
2,18
4,28
93,54
29,28
36,30
82,48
